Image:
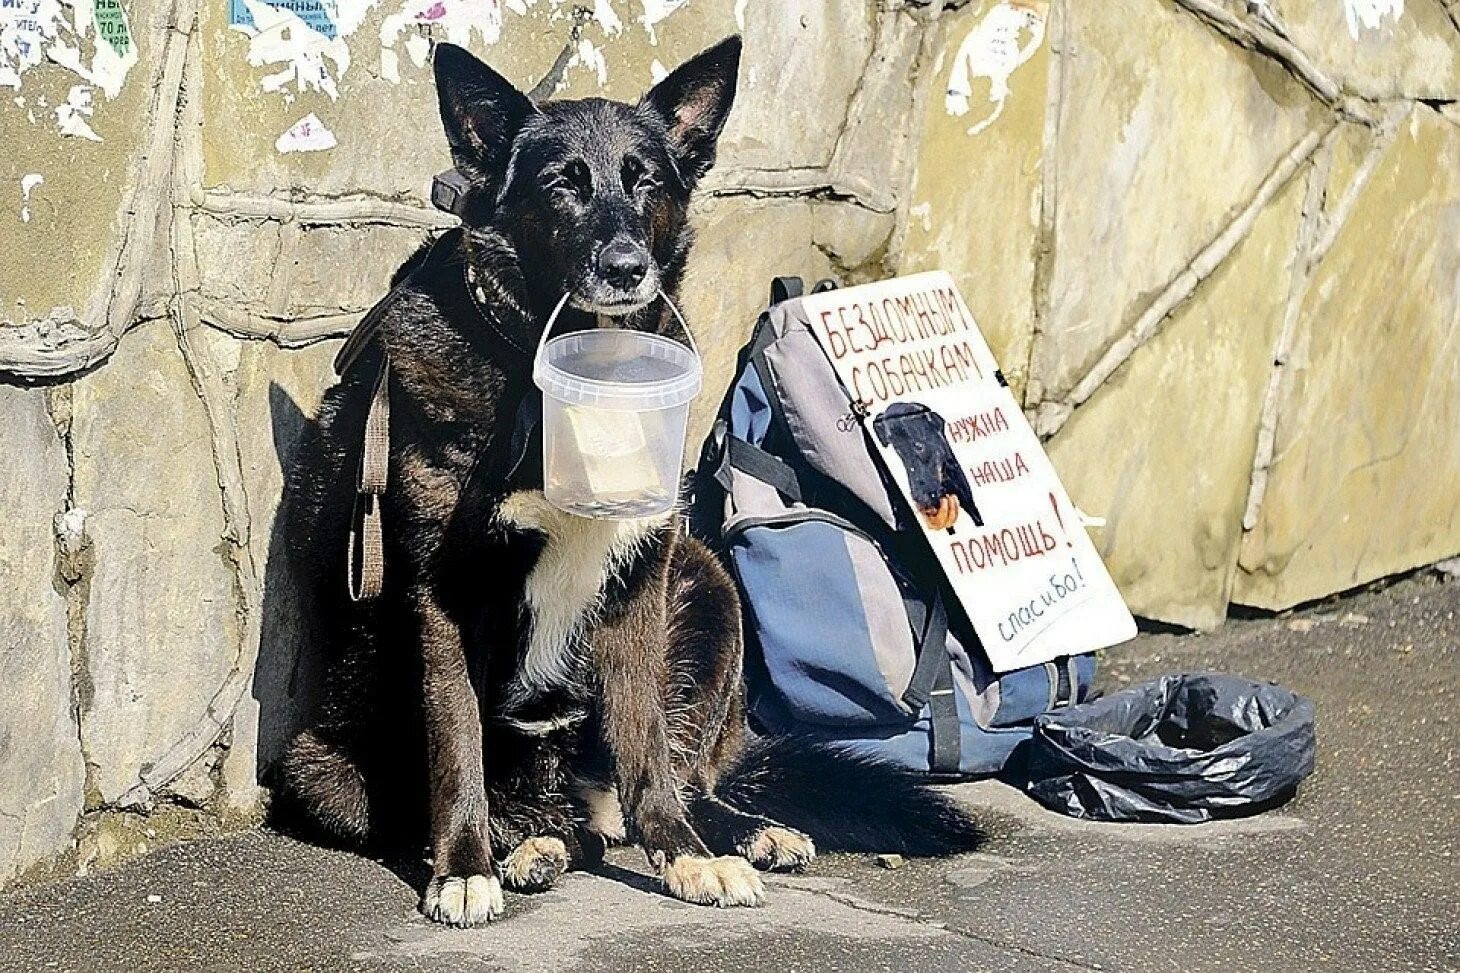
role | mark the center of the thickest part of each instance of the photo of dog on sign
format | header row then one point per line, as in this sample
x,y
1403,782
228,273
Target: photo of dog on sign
x,y
936,482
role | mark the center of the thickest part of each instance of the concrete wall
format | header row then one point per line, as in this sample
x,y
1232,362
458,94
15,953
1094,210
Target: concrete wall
x,y
1215,244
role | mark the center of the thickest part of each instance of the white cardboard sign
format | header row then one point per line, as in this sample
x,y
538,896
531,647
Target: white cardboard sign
x,y
986,495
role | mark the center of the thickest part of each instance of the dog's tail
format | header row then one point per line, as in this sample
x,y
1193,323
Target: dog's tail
x,y
846,801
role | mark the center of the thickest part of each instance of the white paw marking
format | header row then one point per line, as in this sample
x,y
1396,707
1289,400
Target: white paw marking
x,y
779,850
723,882
535,864
456,901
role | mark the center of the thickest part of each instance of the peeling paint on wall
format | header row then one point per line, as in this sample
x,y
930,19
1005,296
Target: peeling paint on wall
x,y
462,21
607,18
73,115
590,55
90,38
1004,39
28,184
305,42
309,134
654,12
301,56
1370,14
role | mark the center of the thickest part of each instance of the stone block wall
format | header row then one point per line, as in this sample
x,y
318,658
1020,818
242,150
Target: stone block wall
x,y
1215,244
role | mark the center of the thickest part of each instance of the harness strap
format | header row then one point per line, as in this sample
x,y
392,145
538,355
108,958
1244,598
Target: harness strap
x,y
366,556
370,323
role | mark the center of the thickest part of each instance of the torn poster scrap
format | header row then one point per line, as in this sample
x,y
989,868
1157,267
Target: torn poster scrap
x,y
309,134
1006,37
90,38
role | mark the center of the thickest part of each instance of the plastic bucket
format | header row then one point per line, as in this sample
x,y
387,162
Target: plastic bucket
x,y
615,406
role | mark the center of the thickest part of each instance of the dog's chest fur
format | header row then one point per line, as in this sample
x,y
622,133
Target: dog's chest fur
x,y
564,590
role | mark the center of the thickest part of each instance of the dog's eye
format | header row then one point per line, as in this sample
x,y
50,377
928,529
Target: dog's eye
x,y
573,179
637,178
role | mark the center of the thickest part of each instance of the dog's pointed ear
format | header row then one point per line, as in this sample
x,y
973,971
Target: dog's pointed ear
x,y
480,110
694,101
884,435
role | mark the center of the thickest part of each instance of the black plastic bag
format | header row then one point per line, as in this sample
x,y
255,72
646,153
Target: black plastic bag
x,y
1182,749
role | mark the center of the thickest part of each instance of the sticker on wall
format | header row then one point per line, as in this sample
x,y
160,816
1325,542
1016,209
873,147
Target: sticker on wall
x,y
309,134
28,184
310,12
1006,38
26,27
1370,14
111,25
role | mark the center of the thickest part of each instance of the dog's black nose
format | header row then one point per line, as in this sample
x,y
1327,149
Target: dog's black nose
x,y
623,264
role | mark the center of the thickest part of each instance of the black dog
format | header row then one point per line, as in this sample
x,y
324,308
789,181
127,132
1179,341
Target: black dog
x,y
530,683
934,475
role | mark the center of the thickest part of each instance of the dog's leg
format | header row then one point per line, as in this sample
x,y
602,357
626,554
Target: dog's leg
x,y
629,646
707,721
465,889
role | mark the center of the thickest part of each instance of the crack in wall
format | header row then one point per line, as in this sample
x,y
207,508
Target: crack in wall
x,y
75,562
217,396
1046,240
1318,234
1264,40
1051,415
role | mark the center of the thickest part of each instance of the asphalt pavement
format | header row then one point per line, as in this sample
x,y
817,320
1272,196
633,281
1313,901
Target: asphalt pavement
x,y
1361,872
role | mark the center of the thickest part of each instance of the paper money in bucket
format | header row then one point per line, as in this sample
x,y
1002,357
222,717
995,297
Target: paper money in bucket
x,y
614,414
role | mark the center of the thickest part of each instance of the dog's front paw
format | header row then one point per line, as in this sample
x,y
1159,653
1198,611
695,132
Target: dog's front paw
x,y
778,849
535,864
722,882
456,901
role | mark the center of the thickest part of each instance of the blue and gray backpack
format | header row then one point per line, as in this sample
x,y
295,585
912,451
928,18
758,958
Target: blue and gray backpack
x,y
851,634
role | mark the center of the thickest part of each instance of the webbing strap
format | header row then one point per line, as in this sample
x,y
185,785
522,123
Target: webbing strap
x,y
750,459
932,686
943,711
932,652
366,556
786,289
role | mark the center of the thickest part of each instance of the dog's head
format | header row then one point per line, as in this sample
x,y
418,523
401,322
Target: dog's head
x,y
592,194
915,433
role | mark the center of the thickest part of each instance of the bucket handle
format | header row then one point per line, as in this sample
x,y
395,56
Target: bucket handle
x,y
547,329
